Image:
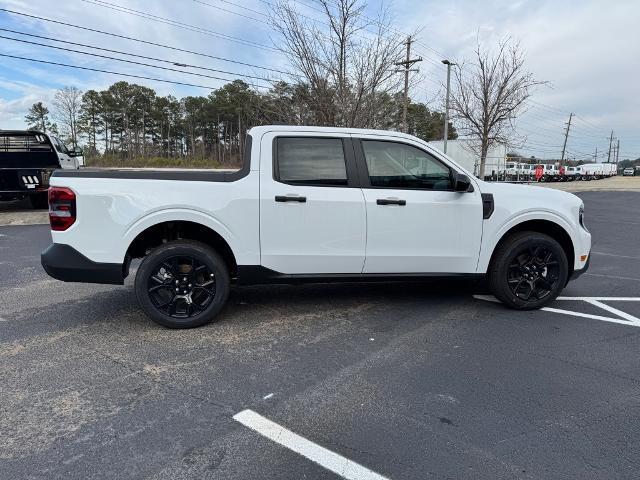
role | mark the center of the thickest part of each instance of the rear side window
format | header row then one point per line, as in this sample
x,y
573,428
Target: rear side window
x,y
310,161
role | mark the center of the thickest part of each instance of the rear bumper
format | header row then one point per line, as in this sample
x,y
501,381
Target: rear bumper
x,y
63,262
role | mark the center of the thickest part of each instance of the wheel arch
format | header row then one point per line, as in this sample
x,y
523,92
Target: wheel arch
x,y
547,227
163,231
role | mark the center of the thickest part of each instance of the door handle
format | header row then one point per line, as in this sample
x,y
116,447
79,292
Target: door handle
x,y
391,201
290,198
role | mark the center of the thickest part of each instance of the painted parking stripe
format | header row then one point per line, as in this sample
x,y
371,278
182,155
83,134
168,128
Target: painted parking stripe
x,y
325,458
615,311
615,255
618,277
603,299
588,315
625,318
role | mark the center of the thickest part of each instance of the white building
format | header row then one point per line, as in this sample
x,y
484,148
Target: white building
x,y
461,151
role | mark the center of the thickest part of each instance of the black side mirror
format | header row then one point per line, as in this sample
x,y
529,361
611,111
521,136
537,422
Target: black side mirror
x,y
76,152
462,183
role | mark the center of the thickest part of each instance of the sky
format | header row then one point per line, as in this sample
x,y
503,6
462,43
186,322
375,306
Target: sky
x,y
586,51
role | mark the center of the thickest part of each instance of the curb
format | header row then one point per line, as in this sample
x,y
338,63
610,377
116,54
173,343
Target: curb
x,y
23,218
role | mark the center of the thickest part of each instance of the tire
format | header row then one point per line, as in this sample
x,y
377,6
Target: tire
x,y
203,284
508,269
39,201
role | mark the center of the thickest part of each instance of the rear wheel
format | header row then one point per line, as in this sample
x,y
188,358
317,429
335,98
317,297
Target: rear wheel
x,y
39,201
182,284
528,271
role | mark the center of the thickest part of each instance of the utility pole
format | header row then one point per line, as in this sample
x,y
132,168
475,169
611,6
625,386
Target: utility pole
x,y
446,108
595,156
407,63
610,142
618,151
566,136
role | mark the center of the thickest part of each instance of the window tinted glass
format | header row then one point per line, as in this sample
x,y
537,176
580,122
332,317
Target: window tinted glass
x,y
311,161
396,165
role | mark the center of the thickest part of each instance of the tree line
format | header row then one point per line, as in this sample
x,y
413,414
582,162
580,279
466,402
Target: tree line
x,y
128,121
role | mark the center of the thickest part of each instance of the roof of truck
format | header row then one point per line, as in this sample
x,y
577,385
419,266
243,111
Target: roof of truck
x,y
342,130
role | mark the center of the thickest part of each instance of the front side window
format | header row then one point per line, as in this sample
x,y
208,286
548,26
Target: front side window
x,y
310,161
398,165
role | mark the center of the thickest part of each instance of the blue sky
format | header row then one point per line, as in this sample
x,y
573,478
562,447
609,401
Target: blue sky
x,y
588,51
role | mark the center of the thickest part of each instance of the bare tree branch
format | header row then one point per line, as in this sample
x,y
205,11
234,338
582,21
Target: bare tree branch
x,y
345,65
489,98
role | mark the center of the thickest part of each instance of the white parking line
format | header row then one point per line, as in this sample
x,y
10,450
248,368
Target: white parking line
x,y
613,276
588,315
603,299
615,311
325,458
615,255
629,319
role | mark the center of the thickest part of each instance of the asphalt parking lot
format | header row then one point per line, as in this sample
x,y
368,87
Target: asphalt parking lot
x,y
406,380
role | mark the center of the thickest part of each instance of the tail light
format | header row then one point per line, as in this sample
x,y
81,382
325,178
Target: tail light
x,y
62,208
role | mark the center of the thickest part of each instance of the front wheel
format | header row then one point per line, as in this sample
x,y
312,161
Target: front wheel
x,y
528,270
182,284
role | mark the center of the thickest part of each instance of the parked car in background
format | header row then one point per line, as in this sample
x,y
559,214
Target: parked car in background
x,y
547,173
572,173
27,159
629,172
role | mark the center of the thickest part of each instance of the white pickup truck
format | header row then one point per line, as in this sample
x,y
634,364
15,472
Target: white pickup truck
x,y
311,204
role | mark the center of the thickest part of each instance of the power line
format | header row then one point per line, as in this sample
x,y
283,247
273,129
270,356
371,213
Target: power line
x,y
108,71
175,23
172,62
146,42
232,12
107,57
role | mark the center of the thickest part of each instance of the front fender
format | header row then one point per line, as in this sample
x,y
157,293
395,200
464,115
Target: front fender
x,y
495,231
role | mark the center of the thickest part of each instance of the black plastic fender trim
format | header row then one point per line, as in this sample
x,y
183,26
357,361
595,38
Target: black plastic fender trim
x,y
487,205
63,262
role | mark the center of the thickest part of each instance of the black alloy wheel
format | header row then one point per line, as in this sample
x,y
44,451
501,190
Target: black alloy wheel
x,y
182,284
528,270
533,273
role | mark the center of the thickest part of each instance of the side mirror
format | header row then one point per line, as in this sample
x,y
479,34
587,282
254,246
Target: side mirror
x,y
76,152
462,183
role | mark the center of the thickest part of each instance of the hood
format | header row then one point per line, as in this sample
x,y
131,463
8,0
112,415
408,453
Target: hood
x,y
521,198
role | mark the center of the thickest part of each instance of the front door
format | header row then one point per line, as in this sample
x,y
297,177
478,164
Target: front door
x,y
312,213
416,223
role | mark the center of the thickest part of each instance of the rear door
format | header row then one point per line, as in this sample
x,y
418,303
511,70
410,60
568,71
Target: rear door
x,y
312,211
416,223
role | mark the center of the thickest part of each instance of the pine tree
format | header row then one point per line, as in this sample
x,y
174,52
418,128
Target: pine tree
x,y
37,118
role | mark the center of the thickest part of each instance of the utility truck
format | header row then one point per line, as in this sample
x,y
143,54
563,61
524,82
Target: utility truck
x,y
596,171
27,160
311,204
